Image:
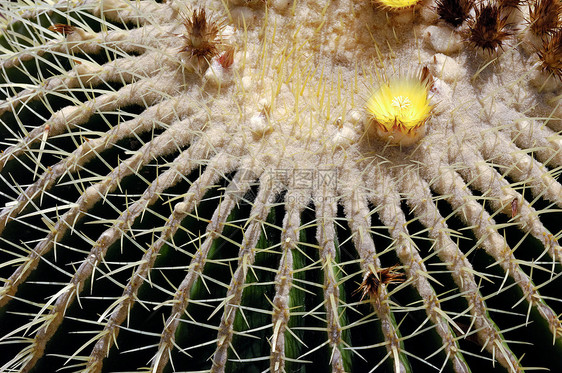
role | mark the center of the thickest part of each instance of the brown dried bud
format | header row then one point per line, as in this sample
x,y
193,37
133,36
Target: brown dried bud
x,y
454,12
226,59
426,78
371,282
487,29
544,16
551,54
506,4
62,28
202,37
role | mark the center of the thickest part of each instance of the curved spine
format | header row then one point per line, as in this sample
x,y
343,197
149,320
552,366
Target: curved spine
x,y
419,199
246,256
173,139
181,297
116,316
145,92
388,208
284,282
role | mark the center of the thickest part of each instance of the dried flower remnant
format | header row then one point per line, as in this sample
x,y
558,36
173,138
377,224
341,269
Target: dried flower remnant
x,y
202,37
509,4
551,55
544,16
226,59
426,77
372,282
487,30
400,108
454,12
62,28
514,207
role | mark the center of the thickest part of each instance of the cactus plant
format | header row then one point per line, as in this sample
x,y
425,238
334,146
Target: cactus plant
x,y
196,186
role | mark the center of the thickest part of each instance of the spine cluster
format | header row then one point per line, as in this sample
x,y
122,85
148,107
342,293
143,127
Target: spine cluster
x,y
202,39
488,29
454,12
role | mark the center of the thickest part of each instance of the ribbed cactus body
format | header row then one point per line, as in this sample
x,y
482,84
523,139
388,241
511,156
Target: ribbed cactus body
x,y
203,186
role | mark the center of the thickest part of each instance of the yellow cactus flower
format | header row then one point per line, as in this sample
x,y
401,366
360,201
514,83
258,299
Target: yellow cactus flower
x,y
399,109
396,4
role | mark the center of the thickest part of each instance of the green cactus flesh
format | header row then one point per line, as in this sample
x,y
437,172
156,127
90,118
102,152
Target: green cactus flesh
x,y
200,186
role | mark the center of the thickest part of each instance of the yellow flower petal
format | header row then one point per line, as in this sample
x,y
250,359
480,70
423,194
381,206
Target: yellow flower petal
x,y
399,109
397,4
